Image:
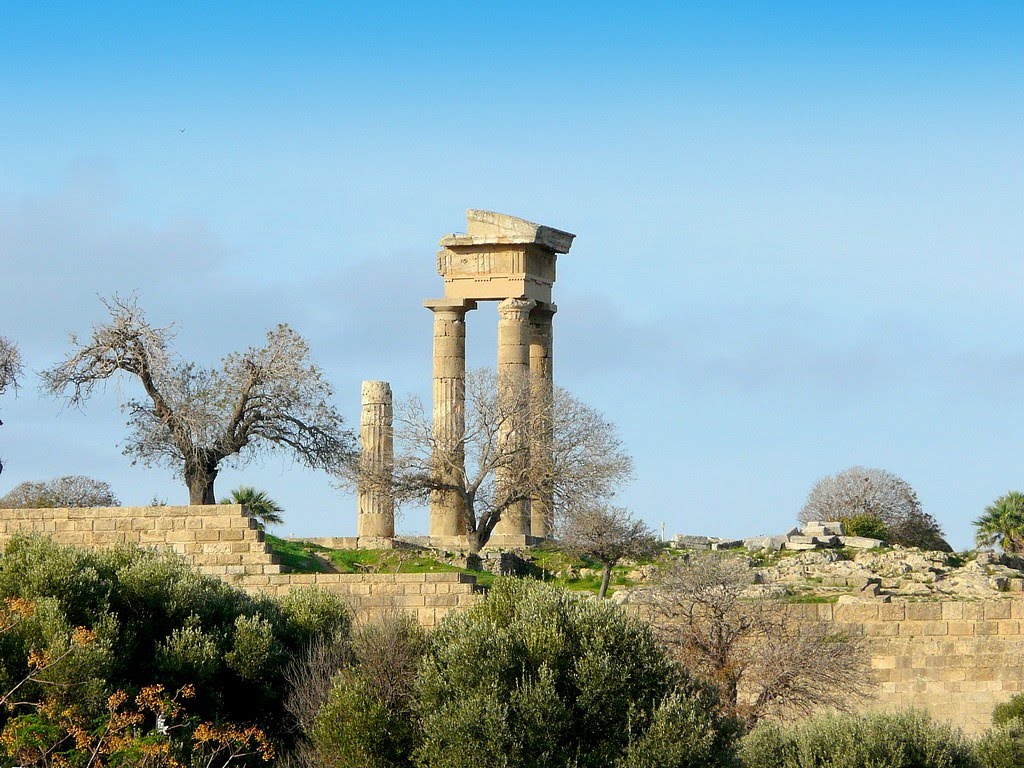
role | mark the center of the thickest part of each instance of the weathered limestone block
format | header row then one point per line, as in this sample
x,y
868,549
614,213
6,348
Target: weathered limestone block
x,y
799,546
691,542
859,542
501,256
823,528
722,544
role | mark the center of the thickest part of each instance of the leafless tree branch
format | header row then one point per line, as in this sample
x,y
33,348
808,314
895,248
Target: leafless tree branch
x,y
267,397
765,663
589,461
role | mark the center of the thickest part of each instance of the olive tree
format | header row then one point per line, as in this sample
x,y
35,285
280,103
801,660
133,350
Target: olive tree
x,y
764,661
535,676
868,493
588,462
608,534
67,491
10,369
194,418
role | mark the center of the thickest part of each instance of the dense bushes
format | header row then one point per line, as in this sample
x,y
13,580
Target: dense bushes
x,y
154,621
1003,746
903,740
367,720
531,676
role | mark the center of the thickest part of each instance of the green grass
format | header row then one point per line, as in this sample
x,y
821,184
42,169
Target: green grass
x,y
296,556
812,598
300,557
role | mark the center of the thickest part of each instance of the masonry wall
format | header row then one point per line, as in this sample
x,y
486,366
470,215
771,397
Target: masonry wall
x,y
218,538
222,541
956,659
427,596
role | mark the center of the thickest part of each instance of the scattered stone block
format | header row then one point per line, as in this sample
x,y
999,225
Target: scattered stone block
x,y
691,542
859,542
823,528
773,543
726,544
799,546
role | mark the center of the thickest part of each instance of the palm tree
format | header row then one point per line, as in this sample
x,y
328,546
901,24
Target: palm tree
x,y
1003,523
257,503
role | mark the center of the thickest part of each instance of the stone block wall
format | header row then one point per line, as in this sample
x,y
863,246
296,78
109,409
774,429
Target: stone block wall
x,y
427,596
955,659
218,538
222,541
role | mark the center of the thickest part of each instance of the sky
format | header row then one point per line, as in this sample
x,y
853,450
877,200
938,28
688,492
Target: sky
x,y
800,226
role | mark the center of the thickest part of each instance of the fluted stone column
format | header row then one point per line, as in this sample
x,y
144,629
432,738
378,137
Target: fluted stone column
x,y
542,393
447,508
513,393
377,459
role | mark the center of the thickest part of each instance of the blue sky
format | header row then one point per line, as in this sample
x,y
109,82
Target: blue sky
x,y
799,225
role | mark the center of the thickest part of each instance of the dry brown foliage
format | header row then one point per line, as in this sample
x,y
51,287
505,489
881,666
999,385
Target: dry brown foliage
x,y
765,662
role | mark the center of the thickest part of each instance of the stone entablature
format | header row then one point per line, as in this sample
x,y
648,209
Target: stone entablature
x,y
499,257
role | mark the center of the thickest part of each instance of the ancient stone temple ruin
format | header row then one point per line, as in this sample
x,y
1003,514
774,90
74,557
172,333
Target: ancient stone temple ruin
x,y
512,261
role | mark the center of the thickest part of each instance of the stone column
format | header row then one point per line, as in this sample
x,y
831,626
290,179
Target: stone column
x,y
513,403
542,393
377,459
447,508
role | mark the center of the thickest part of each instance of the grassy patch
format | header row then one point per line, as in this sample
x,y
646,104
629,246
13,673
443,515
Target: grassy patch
x,y
553,566
808,598
296,556
303,557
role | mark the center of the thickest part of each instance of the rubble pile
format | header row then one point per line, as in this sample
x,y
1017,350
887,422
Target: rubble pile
x,y
814,535
819,560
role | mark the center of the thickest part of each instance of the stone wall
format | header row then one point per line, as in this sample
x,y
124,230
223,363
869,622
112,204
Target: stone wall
x,y
221,540
427,596
956,659
218,538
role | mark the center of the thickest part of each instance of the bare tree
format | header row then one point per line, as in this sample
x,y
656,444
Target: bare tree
x,y
588,461
875,493
67,491
10,365
607,534
10,369
309,676
765,662
266,397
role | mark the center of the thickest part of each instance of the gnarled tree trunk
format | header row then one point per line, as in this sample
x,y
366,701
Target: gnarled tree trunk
x,y
199,478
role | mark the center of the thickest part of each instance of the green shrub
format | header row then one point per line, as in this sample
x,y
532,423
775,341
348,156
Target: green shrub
x,y
367,720
1002,746
907,739
534,676
870,525
1009,710
355,729
157,621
